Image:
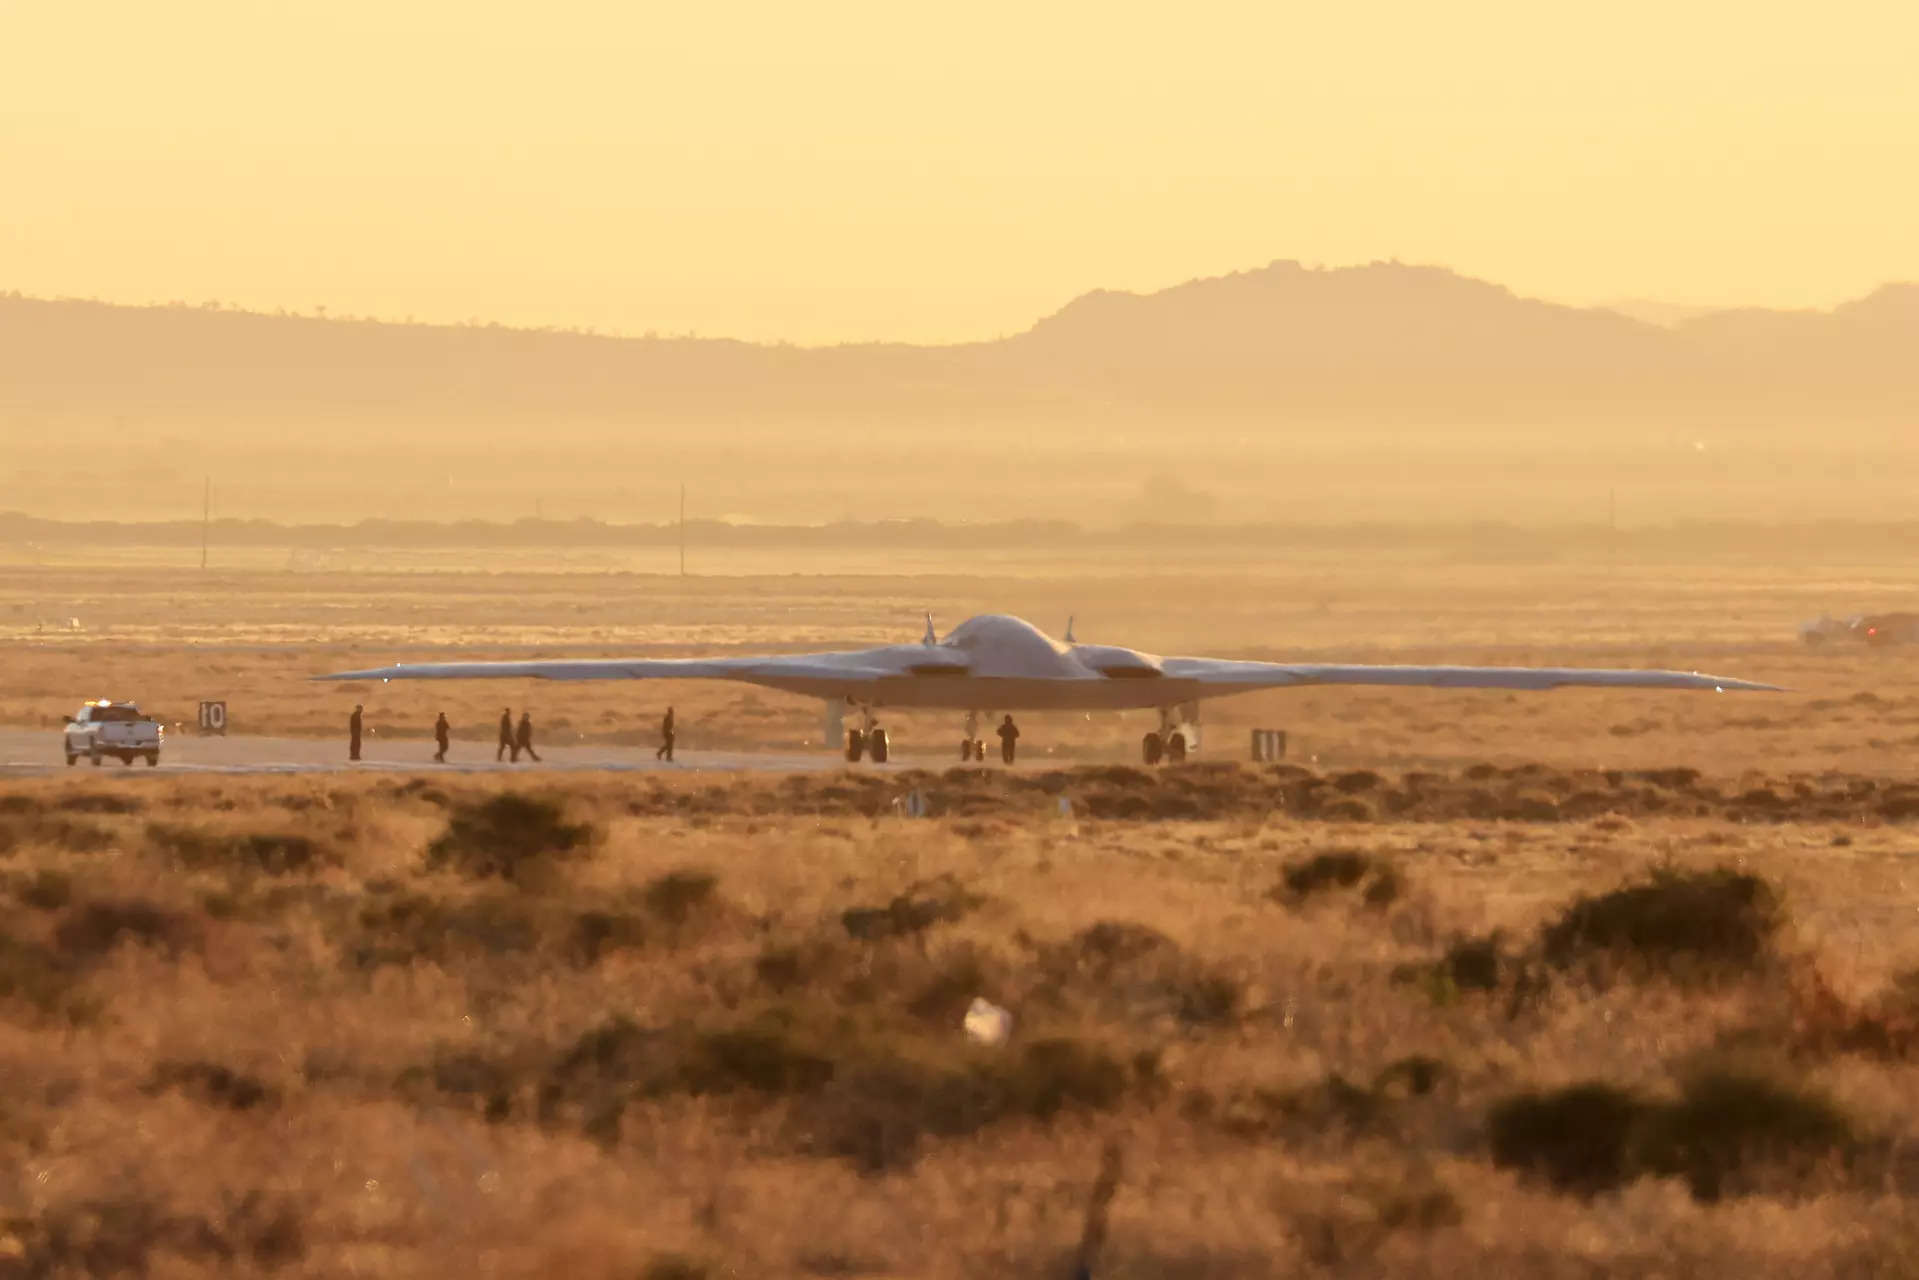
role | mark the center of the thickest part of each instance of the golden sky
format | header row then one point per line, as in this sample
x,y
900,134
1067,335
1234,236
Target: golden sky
x,y
839,171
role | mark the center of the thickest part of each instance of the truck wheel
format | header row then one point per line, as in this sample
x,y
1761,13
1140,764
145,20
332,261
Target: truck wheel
x,y
94,758
70,759
153,758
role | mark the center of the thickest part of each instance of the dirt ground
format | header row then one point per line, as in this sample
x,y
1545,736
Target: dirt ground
x,y
1570,985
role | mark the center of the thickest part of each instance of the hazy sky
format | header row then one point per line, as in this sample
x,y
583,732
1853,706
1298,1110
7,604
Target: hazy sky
x,y
829,171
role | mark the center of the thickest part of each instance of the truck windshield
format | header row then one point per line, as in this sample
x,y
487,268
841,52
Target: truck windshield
x,y
101,714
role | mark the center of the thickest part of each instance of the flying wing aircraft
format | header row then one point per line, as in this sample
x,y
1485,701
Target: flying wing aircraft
x,y
996,663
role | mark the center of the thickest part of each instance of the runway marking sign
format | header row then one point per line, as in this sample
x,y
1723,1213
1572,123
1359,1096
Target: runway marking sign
x,y
213,717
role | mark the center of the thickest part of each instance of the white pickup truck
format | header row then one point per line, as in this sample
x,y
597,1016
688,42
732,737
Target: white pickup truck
x,y
101,729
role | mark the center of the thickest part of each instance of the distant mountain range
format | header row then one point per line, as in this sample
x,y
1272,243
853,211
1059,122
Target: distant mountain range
x,y
1283,346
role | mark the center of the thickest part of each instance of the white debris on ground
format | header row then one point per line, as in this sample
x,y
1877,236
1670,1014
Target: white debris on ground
x,y
986,1023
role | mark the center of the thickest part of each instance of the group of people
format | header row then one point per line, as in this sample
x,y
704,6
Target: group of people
x,y
511,739
514,739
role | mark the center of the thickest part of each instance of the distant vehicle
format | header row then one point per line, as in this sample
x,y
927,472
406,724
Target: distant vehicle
x,y
1825,629
1889,628
101,729
1866,628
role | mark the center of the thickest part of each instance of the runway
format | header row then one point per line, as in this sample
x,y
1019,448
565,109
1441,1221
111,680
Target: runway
x,y
26,753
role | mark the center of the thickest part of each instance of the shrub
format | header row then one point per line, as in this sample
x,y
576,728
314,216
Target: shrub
x,y
1579,1139
923,905
676,895
45,890
408,927
91,931
1728,1122
769,1056
125,1235
1050,1075
1133,971
1532,806
674,1266
33,975
210,1083
99,802
506,836
1474,964
1725,1128
1683,924
1342,867
275,853
595,933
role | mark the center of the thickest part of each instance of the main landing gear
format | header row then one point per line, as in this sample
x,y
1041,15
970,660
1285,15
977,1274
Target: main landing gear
x,y
868,740
971,746
1168,743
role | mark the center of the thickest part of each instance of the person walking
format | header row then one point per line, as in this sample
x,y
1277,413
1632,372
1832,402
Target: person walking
x,y
1008,735
506,737
523,740
666,738
353,723
442,734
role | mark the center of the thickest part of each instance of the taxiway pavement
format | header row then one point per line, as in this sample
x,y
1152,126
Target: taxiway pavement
x,y
35,752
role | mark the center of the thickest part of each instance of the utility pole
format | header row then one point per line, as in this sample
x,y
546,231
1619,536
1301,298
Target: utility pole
x,y
682,528
206,519
1612,527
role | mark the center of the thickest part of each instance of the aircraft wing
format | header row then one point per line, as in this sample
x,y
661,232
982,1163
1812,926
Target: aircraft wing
x,y
1236,676
823,674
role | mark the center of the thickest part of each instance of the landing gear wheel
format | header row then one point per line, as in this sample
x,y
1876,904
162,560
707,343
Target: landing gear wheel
x,y
979,750
967,748
876,746
1150,748
855,746
1176,748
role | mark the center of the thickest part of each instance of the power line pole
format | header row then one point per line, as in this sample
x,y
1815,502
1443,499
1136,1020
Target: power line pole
x,y
206,519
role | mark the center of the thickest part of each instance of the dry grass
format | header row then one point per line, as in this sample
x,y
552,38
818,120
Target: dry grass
x,y
713,1028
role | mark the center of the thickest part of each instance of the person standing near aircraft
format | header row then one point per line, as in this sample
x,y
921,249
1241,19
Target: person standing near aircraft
x,y
523,740
666,738
1008,735
442,734
353,723
506,737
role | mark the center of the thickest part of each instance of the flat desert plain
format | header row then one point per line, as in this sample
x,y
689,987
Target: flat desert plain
x,y
1572,984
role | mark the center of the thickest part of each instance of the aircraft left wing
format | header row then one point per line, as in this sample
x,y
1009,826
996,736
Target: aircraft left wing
x,y
1236,676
